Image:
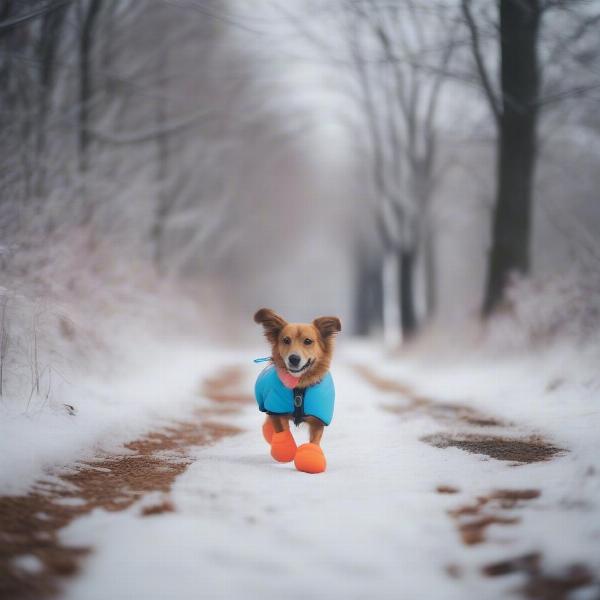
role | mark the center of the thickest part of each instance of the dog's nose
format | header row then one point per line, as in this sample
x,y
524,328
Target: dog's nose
x,y
294,360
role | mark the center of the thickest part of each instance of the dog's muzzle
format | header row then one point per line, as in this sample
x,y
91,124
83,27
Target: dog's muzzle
x,y
295,369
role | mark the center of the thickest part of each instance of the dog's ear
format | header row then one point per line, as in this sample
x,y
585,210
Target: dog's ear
x,y
271,322
327,326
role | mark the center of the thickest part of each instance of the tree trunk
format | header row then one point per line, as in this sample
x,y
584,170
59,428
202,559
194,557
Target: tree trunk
x,y
430,266
390,299
519,25
85,80
86,39
406,280
50,37
367,289
162,167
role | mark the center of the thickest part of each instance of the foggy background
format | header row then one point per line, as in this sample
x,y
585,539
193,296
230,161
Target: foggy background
x,y
427,170
172,166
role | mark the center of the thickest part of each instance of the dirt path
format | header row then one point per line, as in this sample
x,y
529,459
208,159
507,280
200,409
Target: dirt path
x,y
32,559
482,433
493,437
228,494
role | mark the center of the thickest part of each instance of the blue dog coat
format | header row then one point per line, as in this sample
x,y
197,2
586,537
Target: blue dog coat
x,y
276,399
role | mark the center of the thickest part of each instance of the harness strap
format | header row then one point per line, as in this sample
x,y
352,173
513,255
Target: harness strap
x,y
298,405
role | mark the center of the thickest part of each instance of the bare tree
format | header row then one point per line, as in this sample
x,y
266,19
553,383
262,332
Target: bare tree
x,y
399,58
164,202
516,104
4,340
516,116
88,15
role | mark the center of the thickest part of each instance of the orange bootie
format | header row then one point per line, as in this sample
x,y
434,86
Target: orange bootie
x,y
283,446
310,459
268,430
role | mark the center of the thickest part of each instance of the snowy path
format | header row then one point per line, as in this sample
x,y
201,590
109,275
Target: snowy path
x,y
424,497
374,525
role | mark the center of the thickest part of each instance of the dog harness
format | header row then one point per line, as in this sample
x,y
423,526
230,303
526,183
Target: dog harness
x,y
274,397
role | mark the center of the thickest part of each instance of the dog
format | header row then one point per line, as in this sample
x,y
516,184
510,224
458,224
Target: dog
x,y
297,386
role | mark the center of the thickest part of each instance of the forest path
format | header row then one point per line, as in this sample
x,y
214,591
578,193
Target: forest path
x,y
422,498
489,436
33,559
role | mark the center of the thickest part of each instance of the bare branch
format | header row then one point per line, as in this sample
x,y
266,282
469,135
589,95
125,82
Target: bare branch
x,y
575,92
32,15
477,55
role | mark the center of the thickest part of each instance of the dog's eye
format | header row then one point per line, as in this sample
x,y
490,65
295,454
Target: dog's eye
x,y
287,341
308,342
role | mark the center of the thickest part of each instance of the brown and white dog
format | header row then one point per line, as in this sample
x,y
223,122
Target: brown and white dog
x,y
301,354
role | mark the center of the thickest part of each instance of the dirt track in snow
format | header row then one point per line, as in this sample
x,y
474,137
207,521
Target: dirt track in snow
x,y
498,507
30,524
32,559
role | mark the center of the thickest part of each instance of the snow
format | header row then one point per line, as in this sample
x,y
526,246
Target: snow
x,y
28,563
158,381
373,525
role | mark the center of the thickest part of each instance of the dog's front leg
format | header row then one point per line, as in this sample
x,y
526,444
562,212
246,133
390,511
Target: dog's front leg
x,y
283,446
309,457
316,429
279,423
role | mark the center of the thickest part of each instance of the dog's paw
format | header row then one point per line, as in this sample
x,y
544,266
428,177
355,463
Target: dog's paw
x,y
268,430
283,446
310,459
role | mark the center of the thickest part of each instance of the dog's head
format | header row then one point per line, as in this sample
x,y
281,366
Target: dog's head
x,y
303,349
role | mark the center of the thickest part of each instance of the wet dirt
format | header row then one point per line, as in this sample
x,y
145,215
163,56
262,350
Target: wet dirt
x,y
158,509
32,559
472,520
417,403
499,507
509,449
446,489
542,585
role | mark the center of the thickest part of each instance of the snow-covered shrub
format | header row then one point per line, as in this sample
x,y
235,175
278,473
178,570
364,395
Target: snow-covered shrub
x,y
72,306
542,310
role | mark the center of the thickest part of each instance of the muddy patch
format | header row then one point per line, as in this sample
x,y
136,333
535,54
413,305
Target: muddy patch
x,y
501,507
412,402
158,509
509,449
525,563
32,559
496,508
473,531
224,388
446,489
543,585
514,450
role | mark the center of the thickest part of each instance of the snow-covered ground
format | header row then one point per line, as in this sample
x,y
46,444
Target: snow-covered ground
x,y
156,380
374,525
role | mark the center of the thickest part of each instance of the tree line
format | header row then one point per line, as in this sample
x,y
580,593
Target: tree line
x,y
528,59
